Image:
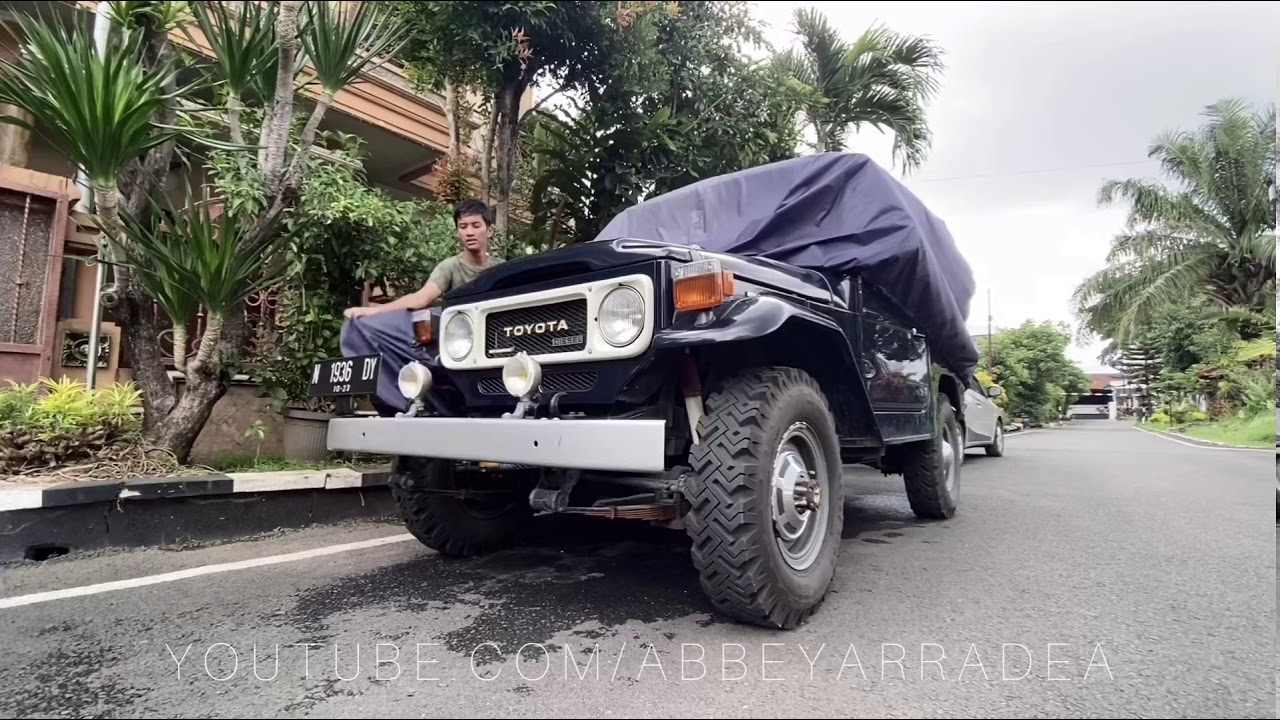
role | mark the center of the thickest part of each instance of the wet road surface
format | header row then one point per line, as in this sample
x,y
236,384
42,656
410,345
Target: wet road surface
x,y
1094,571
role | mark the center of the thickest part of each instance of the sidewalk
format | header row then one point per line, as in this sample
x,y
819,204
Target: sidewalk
x,y
42,521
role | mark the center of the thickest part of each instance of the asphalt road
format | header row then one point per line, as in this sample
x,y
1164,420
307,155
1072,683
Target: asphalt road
x,y
1093,571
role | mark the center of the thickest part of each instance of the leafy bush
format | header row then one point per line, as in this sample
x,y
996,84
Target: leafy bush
x,y
345,234
57,422
1197,417
1254,431
1161,419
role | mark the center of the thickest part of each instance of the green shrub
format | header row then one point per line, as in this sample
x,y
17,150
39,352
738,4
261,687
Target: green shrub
x,y
1161,419
1197,417
56,422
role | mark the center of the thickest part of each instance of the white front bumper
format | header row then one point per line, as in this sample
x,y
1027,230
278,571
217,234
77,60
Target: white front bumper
x,y
606,445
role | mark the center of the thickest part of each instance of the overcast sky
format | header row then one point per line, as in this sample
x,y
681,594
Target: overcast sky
x,y
1037,96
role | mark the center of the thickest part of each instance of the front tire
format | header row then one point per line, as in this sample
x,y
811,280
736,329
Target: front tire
x,y
931,469
450,525
996,448
766,501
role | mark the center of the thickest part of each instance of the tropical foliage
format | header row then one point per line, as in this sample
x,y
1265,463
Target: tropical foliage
x,y
883,79
57,422
1188,296
345,235
688,103
640,98
1030,363
121,116
1208,236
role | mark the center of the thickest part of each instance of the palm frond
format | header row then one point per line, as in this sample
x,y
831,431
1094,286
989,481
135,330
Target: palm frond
x,y
242,37
199,257
95,108
823,48
343,40
163,15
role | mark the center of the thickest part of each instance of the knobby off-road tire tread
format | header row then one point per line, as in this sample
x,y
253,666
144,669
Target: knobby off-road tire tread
x,y
438,522
923,470
728,542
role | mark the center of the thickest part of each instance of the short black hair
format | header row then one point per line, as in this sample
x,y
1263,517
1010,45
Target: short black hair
x,y
472,207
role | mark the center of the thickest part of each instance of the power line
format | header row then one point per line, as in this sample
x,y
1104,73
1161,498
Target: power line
x,y
1030,172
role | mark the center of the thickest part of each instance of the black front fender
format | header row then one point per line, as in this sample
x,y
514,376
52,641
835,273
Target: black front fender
x,y
747,318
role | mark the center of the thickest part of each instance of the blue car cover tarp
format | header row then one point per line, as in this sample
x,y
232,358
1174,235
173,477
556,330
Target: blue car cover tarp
x,y
834,213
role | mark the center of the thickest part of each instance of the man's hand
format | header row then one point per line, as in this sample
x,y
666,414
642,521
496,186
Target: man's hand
x,y
355,312
413,301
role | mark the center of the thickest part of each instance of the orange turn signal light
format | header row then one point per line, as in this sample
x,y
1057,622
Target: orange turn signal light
x,y
422,330
701,285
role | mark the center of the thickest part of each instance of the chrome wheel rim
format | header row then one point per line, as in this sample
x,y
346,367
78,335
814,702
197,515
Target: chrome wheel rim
x,y
950,459
798,493
1000,439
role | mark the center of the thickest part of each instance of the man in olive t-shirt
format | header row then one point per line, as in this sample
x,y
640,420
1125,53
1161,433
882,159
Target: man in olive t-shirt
x,y
475,228
387,330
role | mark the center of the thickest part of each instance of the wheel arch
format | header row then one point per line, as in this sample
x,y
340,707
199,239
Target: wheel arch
x,y
812,344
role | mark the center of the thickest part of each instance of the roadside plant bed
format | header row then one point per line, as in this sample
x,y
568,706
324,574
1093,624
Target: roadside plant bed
x,y
1255,432
59,427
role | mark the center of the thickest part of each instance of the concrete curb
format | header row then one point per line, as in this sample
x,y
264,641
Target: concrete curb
x,y
41,522
91,491
1197,442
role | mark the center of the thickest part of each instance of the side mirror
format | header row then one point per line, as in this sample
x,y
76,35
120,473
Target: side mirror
x,y
995,391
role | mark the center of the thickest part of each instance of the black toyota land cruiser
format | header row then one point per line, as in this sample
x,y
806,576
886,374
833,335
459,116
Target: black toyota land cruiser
x,y
716,391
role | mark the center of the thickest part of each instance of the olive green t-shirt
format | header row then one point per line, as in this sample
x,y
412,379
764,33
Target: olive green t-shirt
x,y
454,272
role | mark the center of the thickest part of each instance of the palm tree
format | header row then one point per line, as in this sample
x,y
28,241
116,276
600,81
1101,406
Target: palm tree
x,y
108,111
97,108
1208,236
883,80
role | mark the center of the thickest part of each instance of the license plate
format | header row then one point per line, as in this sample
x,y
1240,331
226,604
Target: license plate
x,y
346,376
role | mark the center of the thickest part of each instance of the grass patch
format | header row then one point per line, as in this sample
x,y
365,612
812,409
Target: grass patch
x,y
246,462
1257,431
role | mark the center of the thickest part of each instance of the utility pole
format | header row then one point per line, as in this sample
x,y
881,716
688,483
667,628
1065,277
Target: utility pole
x,y
990,354
101,32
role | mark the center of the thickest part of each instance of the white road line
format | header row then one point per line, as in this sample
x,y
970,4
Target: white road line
x,y
1020,432
41,597
1199,447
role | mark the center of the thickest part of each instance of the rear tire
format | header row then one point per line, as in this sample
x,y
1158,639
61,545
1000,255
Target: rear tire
x,y
931,469
763,559
996,448
450,525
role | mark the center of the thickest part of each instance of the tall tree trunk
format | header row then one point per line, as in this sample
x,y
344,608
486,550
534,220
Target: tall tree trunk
x,y
138,322
508,146
275,126
820,130
180,346
451,120
486,159
183,423
233,119
299,165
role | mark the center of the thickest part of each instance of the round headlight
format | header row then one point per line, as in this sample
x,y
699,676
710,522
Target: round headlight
x,y
521,375
414,380
458,336
621,316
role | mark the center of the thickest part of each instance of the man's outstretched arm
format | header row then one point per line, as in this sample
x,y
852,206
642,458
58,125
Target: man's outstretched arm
x,y
417,300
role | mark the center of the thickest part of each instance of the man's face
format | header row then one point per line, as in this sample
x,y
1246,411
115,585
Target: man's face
x,y
474,232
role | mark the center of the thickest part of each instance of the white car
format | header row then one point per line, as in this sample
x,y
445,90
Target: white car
x,y
984,421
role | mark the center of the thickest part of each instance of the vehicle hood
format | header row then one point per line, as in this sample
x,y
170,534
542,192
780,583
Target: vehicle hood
x,y
573,261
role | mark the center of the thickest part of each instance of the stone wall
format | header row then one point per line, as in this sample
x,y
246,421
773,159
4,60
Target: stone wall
x,y
235,413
